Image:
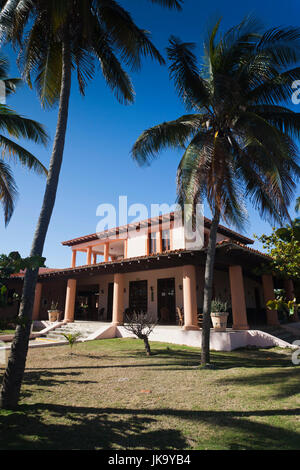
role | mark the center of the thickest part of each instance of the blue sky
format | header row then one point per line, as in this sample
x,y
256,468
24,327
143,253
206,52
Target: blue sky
x,y
97,167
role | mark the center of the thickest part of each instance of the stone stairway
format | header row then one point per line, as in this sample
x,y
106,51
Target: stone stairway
x,y
282,333
85,329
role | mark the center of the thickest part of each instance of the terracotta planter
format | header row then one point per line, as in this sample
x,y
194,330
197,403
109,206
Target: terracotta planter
x,y
53,315
219,320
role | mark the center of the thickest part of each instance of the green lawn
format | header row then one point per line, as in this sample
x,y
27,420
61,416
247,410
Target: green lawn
x,y
109,395
7,332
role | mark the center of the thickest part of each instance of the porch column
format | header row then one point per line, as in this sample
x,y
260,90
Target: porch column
x,y
190,298
37,301
70,301
106,252
118,300
159,241
268,287
74,254
94,258
89,255
238,302
290,295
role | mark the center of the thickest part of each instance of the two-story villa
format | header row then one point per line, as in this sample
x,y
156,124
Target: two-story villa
x,y
147,266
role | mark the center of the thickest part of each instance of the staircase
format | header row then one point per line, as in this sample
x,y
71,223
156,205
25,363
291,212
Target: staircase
x,y
85,329
282,333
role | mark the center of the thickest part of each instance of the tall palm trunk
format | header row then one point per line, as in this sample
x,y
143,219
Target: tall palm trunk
x,y
13,376
208,282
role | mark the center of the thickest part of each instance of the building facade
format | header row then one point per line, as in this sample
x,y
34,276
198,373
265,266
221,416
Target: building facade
x,y
148,266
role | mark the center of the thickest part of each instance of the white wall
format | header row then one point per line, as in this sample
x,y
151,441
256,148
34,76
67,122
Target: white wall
x,y
136,245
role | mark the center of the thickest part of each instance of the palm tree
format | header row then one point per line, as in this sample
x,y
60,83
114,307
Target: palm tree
x,y
15,126
239,139
55,39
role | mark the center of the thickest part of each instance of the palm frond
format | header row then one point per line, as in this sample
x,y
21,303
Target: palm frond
x,y
190,86
172,134
19,126
11,150
176,4
133,42
8,191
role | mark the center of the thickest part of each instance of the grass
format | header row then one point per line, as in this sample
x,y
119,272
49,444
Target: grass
x,y
7,332
109,395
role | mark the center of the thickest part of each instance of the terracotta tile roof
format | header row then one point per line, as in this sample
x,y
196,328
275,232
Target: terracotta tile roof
x,y
229,242
146,223
41,271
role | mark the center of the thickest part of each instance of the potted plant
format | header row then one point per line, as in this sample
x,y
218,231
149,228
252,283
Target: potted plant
x,y
53,312
219,314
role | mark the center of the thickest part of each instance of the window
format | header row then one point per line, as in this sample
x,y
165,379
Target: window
x,y
166,245
152,243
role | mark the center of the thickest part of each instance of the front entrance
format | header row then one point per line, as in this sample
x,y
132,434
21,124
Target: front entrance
x,y
166,300
87,301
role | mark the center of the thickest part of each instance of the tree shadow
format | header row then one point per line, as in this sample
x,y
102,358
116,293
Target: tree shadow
x,y
82,428
286,384
90,428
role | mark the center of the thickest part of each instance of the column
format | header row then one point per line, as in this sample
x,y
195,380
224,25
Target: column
x,y
89,255
118,300
106,252
190,298
290,295
94,258
74,254
238,302
37,301
268,287
70,301
159,240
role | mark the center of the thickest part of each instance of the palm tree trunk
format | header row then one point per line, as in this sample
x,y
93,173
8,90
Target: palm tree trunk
x,y
208,282
14,372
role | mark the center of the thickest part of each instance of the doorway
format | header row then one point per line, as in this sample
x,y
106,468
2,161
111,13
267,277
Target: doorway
x,y
166,300
110,298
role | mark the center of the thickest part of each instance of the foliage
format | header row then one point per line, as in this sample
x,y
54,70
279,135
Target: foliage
x,y
283,246
100,35
238,139
16,126
240,142
218,305
72,339
141,324
54,305
12,264
280,304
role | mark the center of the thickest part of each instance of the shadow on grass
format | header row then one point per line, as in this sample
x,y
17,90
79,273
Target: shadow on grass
x,y
284,383
48,426
183,359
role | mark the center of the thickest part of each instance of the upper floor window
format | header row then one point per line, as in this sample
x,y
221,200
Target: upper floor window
x,y
166,240
152,243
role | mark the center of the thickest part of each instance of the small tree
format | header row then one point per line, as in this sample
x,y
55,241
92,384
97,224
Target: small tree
x,y
72,339
141,325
